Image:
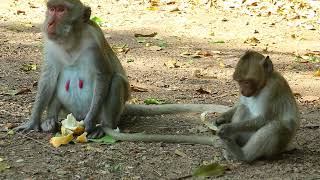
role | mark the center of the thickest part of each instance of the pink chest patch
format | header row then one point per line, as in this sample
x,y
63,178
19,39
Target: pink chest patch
x,y
80,83
67,86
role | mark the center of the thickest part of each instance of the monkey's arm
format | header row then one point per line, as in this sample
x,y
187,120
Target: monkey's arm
x,y
101,86
46,89
249,125
225,117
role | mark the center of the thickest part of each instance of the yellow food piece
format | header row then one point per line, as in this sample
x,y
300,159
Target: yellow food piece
x,y
72,124
78,130
65,131
317,73
82,138
58,141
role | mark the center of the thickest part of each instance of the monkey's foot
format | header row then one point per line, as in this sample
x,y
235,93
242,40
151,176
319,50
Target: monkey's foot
x,y
28,126
50,125
228,156
96,133
225,131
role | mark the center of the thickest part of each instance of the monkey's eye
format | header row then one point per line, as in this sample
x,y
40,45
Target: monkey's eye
x,y
61,8
245,82
51,9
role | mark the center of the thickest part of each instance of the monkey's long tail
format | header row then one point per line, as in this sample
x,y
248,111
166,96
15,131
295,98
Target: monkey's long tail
x,y
147,110
204,140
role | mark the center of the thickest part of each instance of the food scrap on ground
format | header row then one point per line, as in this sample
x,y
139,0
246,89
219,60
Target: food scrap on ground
x,y
70,129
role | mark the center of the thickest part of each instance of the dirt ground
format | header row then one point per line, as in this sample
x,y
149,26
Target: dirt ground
x,y
30,156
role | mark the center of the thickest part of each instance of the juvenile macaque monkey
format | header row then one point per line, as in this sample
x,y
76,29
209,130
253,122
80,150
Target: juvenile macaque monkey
x,y
83,76
266,117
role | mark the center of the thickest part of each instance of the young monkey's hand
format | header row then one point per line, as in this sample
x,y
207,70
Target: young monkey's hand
x,y
225,131
219,121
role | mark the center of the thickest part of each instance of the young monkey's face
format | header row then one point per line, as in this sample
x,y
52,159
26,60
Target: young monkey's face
x,y
252,73
248,87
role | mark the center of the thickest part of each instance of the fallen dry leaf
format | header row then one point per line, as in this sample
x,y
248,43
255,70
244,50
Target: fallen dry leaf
x,y
222,65
145,35
17,92
197,73
313,53
152,8
23,91
202,91
133,101
172,64
216,52
180,153
21,12
253,41
155,48
8,126
310,98
138,89
203,53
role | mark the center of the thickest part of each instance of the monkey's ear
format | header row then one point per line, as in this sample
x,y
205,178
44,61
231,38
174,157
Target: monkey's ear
x,y
267,64
86,14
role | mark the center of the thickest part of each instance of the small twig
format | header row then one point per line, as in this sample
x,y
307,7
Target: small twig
x,y
54,151
182,178
159,174
220,96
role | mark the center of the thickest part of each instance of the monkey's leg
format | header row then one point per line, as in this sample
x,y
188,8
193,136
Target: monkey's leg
x,y
267,141
52,122
111,109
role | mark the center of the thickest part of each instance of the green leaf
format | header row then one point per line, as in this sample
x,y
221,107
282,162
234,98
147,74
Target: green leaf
x,y
162,43
213,169
310,59
96,20
140,39
190,61
29,67
130,60
116,168
218,42
4,166
11,92
10,132
105,140
152,101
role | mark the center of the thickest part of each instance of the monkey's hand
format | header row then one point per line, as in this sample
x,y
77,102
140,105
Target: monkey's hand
x,y
96,133
93,130
89,125
225,131
50,125
219,121
30,125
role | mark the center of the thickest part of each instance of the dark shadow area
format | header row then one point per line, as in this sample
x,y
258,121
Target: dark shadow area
x,y
17,27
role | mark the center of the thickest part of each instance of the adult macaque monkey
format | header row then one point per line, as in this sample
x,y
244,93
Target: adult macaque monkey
x,y
82,75
266,117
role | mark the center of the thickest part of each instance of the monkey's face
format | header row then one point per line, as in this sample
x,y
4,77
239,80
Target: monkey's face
x,y
54,23
252,72
248,87
62,19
